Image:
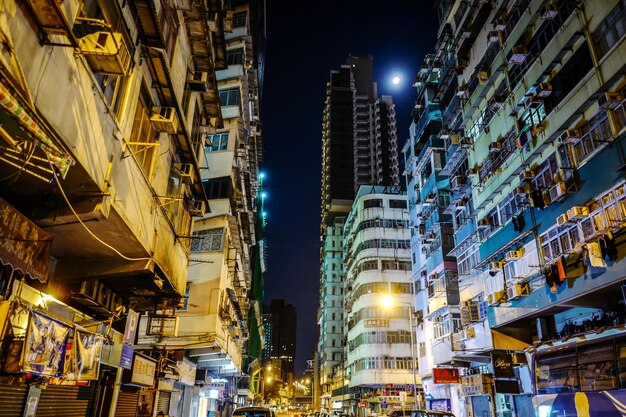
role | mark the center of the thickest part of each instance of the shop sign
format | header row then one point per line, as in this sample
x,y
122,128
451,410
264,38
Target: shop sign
x,y
126,360
362,404
376,323
23,245
219,386
45,346
337,405
446,376
187,372
440,405
475,384
502,364
132,320
165,385
507,386
143,371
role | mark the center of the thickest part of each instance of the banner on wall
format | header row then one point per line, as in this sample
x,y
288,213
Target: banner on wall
x,y
87,349
45,345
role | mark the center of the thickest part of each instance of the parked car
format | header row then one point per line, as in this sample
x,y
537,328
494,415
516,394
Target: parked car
x,y
254,412
399,413
430,413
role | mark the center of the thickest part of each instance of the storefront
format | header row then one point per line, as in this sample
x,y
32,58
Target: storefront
x,y
478,394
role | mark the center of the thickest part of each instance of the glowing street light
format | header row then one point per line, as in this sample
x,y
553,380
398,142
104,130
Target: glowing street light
x,y
395,80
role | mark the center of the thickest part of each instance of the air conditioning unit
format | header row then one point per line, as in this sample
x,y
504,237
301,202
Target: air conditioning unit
x,y
196,208
162,326
610,100
457,182
521,190
570,136
470,333
199,82
228,21
528,175
544,90
557,191
87,293
474,313
513,255
517,291
495,146
104,296
496,266
467,142
562,219
518,55
444,134
461,91
106,53
551,12
186,171
577,212
455,140
483,223
500,25
494,37
533,102
164,119
496,298
483,76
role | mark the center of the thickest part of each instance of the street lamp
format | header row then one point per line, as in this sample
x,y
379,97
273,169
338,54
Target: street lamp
x,y
387,302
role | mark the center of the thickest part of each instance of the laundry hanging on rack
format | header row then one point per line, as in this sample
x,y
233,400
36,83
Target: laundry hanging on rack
x,y
560,267
607,247
551,278
518,222
595,255
536,199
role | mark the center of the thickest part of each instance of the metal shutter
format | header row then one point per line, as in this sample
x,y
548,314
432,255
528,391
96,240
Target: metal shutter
x,y
12,399
67,401
164,402
127,404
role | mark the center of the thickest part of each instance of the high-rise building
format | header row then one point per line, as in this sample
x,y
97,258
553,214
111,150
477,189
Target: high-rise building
x,y
379,338
358,148
282,343
514,170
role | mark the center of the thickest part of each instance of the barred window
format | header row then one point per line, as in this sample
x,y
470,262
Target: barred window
x,y
239,19
211,240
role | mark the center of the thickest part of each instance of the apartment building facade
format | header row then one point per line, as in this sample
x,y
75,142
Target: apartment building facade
x,y
529,99
378,294
359,147
108,111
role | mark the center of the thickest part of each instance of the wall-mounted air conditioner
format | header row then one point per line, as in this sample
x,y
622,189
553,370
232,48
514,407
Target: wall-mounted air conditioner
x,y
570,136
610,100
164,119
557,191
562,219
577,213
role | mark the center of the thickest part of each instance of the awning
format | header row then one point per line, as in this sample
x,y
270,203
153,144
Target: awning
x,y
23,245
28,121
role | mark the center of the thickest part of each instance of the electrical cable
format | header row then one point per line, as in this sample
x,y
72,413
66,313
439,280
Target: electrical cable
x,y
56,178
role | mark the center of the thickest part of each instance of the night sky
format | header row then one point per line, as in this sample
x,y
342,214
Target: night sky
x,y
305,41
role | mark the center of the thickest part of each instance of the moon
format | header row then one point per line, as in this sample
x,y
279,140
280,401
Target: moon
x,y
395,80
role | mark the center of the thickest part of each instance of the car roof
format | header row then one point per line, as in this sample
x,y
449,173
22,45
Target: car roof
x,y
440,413
252,409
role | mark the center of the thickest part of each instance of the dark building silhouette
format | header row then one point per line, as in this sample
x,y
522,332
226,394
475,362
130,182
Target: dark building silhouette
x,y
282,318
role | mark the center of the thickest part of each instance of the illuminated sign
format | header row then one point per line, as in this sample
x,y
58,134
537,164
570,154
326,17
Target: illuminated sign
x,y
376,323
446,376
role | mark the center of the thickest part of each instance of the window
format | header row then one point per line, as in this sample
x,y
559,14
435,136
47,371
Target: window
x,y
143,136
219,142
230,97
239,19
234,56
611,29
397,204
372,203
217,188
211,240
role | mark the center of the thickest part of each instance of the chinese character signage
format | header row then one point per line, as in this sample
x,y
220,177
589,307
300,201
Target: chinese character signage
x,y
187,372
476,384
376,323
143,371
446,376
45,346
23,245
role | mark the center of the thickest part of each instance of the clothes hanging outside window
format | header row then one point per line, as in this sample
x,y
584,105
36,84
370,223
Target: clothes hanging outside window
x,y
551,277
519,223
607,247
595,255
536,199
560,267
